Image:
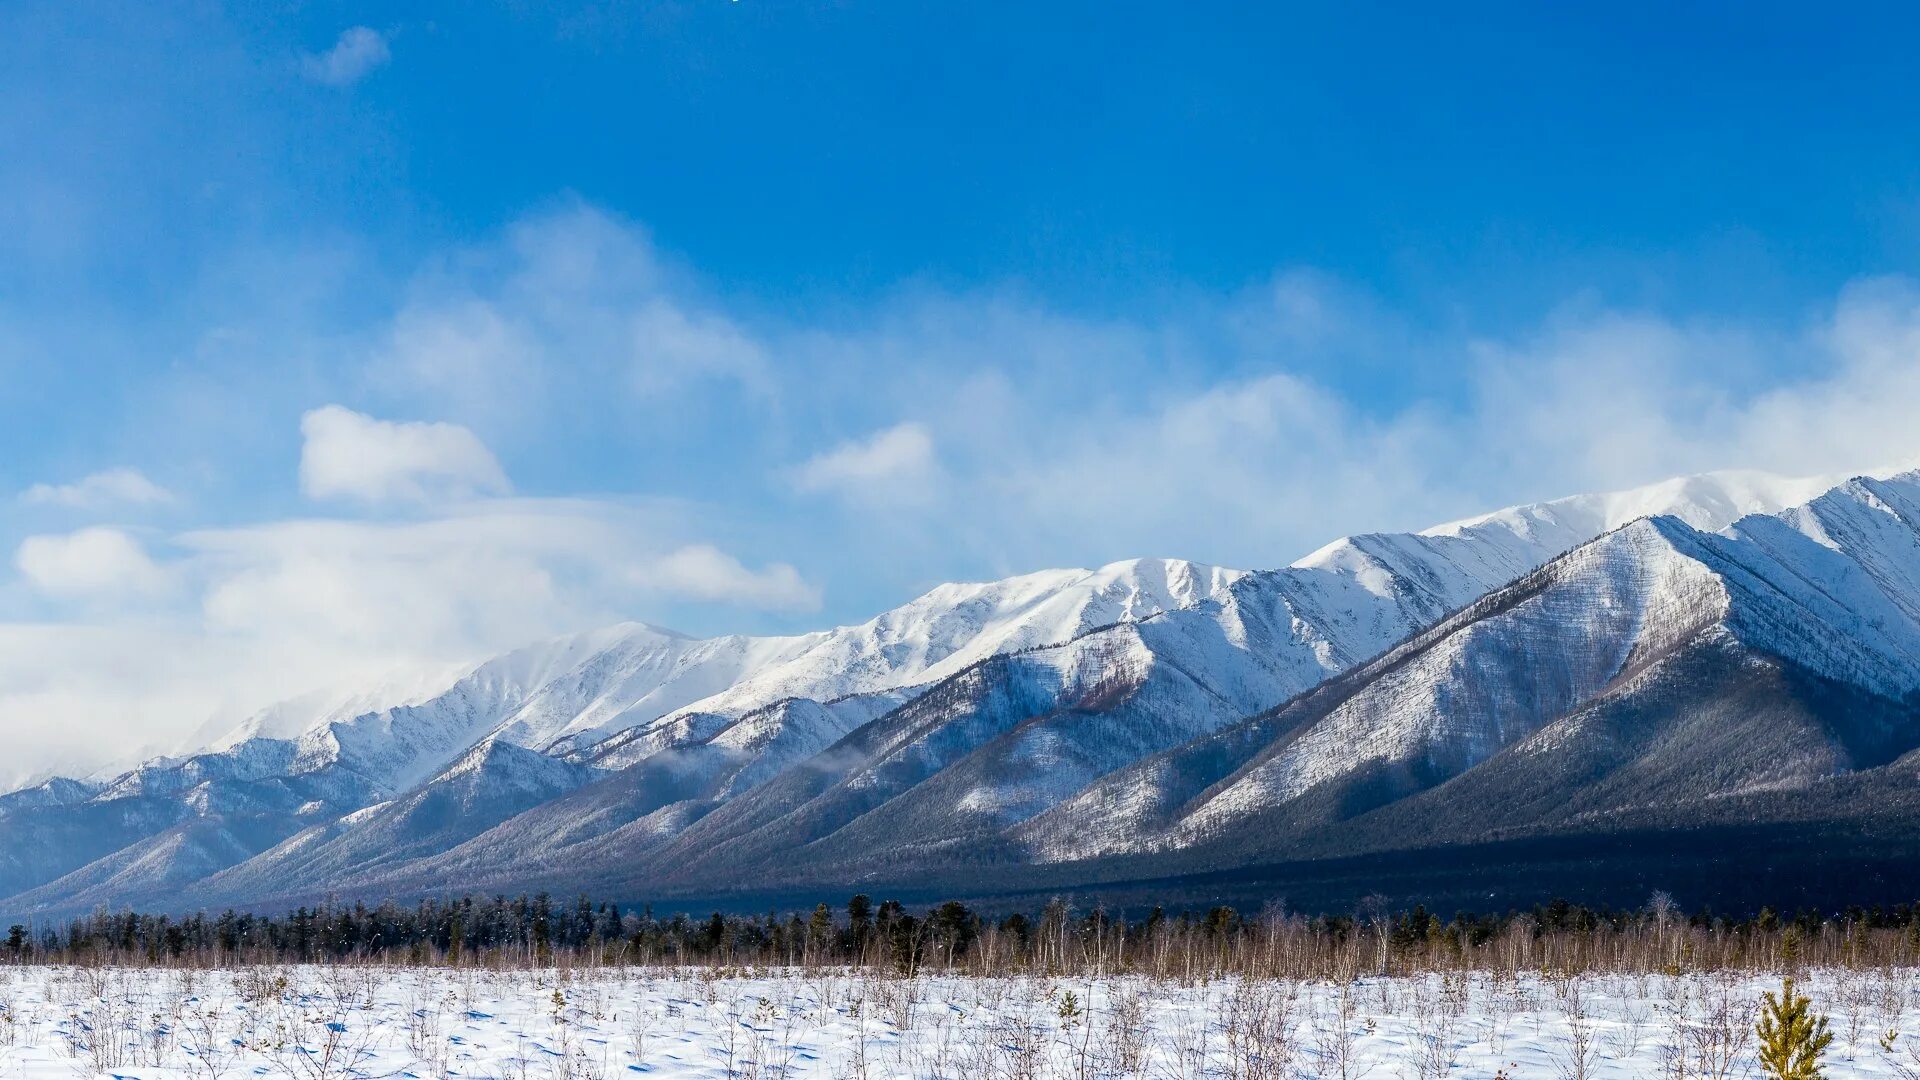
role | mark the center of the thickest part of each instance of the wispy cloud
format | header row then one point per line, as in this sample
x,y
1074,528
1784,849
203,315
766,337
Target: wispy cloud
x,y
787,466
98,491
566,308
140,650
358,52
1222,427
898,463
672,347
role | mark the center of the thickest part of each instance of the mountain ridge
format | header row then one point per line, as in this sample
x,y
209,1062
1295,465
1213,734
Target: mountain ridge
x,y
981,721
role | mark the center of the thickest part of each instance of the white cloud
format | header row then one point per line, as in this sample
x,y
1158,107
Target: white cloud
x,y
143,653
996,435
1614,399
1251,472
704,572
1247,428
464,351
76,697
96,491
486,576
358,52
483,576
351,455
91,562
673,347
1256,456
564,308
888,465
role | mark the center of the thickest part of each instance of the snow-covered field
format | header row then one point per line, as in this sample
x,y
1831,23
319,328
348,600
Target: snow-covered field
x,y
321,1023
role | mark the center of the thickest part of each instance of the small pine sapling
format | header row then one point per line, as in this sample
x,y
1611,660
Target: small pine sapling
x,y
1792,1038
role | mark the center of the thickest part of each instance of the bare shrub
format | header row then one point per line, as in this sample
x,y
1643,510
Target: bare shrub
x,y
1335,1032
1577,1050
1722,1027
316,1038
1257,1030
213,1036
1437,1008
1127,1035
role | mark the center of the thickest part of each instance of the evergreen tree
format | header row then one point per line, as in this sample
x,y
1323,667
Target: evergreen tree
x,y
859,921
543,927
1792,1038
820,928
455,933
953,927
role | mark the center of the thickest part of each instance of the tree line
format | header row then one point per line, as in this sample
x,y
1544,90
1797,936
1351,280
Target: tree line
x,y
538,930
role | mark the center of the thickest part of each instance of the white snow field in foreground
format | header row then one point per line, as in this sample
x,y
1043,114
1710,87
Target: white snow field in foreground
x,y
322,1023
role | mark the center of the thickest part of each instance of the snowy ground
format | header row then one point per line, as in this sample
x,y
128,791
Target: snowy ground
x,y
318,1024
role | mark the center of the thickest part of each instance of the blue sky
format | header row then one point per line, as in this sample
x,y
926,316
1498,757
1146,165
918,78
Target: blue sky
x,y
340,335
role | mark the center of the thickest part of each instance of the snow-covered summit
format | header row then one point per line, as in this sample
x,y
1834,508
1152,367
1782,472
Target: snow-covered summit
x,y
576,689
1046,698
1494,548
1666,663
1707,501
295,716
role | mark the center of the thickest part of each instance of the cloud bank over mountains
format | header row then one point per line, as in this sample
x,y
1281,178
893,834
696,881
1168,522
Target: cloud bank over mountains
x,y
152,633
566,426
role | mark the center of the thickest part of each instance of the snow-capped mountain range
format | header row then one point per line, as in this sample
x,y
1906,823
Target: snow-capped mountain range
x,y
1696,646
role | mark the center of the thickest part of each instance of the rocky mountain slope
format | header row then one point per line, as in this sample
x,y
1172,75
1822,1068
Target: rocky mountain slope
x,y
1567,657
1659,676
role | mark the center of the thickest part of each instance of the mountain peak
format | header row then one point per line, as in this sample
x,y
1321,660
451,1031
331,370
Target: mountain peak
x,y
632,749
1707,501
